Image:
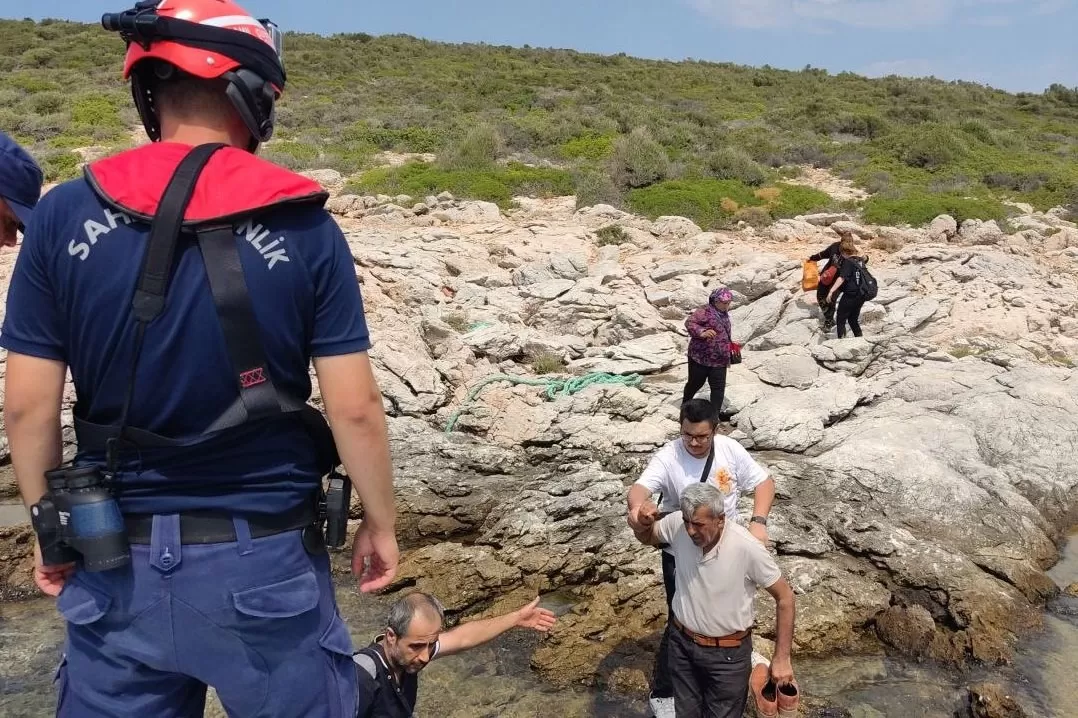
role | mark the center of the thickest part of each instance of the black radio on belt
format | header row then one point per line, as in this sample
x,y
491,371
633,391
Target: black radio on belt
x,y
336,505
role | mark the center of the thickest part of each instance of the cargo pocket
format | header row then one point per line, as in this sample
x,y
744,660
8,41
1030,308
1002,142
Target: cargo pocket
x,y
342,685
283,599
81,605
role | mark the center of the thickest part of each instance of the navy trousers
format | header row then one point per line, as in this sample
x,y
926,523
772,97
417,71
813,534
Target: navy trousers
x,y
255,619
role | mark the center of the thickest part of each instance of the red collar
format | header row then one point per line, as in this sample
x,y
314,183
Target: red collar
x,y
234,183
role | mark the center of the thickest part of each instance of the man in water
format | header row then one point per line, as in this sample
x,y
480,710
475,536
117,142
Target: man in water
x,y
389,667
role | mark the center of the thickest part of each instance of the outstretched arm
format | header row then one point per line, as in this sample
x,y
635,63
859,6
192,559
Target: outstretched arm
x,y
476,633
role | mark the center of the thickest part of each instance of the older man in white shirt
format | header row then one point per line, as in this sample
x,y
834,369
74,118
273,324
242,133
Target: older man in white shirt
x,y
719,566
699,454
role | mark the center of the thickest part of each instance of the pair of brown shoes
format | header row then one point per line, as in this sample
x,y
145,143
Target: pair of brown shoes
x,y
773,701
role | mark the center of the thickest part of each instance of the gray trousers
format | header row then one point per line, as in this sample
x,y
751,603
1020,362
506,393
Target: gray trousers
x,y
709,682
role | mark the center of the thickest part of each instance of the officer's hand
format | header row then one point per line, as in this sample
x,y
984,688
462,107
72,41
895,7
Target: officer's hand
x,y
374,558
50,579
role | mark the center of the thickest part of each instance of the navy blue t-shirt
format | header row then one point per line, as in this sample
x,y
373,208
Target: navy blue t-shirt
x,y
70,299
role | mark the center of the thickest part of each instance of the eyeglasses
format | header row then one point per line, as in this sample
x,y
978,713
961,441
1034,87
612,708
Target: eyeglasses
x,y
696,438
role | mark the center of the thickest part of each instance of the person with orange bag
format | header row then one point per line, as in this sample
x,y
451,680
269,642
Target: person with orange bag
x,y
833,254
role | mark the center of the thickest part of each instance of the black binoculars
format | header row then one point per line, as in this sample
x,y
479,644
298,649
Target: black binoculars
x,y
79,518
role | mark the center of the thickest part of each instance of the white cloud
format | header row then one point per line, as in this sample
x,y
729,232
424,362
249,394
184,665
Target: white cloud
x,y
881,14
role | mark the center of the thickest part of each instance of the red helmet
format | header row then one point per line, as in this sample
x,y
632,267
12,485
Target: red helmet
x,y
209,39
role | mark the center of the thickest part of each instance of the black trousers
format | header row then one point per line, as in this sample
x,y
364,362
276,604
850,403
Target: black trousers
x,y
709,682
821,299
661,684
849,312
715,376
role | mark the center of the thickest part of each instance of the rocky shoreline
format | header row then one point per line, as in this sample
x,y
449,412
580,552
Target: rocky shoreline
x,y
923,472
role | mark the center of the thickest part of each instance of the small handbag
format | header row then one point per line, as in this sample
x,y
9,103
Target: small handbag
x,y
735,353
828,276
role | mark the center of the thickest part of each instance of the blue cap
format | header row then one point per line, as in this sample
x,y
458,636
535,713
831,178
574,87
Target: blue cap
x,y
20,179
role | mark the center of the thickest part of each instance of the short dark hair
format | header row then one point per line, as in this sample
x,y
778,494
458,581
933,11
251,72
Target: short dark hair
x,y
404,609
696,410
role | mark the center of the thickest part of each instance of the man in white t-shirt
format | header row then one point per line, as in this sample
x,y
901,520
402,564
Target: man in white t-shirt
x,y
680,464
719,568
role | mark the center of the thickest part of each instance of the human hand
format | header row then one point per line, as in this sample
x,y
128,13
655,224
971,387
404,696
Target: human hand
x,y
643,516
708,334
535,618
50,579
759,532
374,558
782,673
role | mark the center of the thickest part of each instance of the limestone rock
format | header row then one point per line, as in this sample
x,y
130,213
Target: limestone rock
x,y
974,231
674,227
678,267
943,228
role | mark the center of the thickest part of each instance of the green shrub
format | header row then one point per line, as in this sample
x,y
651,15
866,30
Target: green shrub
x,y
593,187
610,234
794,200
587,147
404,139
730,163
57,165
932,148
95,112
917,208
479,149
497,184
639,160
547,363
757,217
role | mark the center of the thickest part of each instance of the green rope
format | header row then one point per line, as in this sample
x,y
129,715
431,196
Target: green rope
x,y
555,387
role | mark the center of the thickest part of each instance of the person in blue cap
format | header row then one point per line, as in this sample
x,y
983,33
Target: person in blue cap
x,y
20,189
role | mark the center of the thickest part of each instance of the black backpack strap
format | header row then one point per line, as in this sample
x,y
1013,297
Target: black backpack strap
x,y
708,463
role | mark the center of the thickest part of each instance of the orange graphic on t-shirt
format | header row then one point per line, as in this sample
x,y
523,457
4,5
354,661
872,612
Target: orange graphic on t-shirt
x,y
723,479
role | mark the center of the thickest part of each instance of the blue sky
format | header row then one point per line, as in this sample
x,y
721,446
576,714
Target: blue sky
x,y
1011,44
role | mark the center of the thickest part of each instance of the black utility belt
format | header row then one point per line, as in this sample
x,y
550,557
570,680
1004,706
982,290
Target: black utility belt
x,y
206,527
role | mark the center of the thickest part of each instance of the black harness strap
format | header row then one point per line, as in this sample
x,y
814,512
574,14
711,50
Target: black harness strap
x,y
258,396
149,299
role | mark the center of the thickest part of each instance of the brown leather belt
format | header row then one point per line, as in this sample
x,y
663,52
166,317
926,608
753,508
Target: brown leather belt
x,y
732,641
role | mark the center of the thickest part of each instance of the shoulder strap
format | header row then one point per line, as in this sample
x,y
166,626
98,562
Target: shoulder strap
x,y
258,397
366,662
149,299
708,463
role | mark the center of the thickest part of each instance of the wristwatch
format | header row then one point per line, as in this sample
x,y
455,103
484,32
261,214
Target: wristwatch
x,y
758,520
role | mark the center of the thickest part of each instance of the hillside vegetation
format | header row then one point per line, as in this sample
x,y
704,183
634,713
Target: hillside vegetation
x,y
710,141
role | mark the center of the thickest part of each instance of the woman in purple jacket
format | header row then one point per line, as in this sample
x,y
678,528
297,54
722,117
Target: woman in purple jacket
x,y
709,346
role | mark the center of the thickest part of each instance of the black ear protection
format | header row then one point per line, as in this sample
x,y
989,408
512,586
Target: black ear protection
x,y
255,101
249,87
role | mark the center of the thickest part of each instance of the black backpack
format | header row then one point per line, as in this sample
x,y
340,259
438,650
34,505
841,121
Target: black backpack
x,y
865,287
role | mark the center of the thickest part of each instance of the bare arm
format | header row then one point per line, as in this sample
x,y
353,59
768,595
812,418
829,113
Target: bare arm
x,y
476,633
834,288
781,668
763,497
639,497
354,409
33,393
